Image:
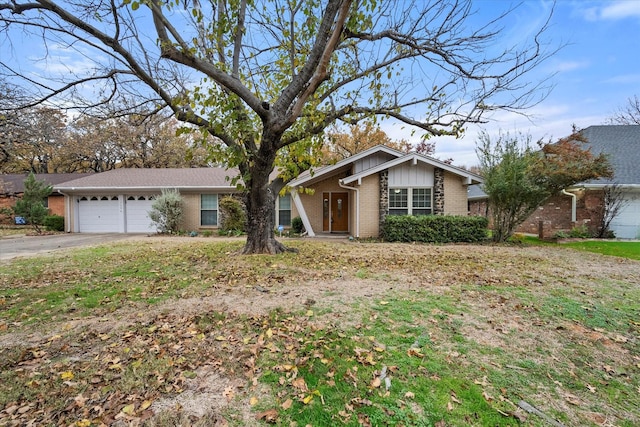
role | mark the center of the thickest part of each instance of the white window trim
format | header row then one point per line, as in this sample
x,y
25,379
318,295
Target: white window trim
x,y
410,206
217,209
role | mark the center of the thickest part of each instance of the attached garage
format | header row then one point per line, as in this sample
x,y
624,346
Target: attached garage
x,y
627,224
115,214
137,214
98,214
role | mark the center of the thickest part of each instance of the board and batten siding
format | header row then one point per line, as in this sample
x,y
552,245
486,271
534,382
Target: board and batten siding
x,y
409,175
371,162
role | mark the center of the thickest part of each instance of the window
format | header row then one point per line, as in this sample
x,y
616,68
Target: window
x,y
421,201
398,201
410,201
209,209
284,210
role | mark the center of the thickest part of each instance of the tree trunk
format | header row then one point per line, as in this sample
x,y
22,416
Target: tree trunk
x,y
260,202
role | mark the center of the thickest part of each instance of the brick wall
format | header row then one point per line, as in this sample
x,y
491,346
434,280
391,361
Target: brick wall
x,y
56,205
370,206
455,195
555,213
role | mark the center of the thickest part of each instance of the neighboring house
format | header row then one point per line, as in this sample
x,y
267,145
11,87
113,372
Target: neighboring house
x,y
119,200
350,197
354,195
12,188
583,203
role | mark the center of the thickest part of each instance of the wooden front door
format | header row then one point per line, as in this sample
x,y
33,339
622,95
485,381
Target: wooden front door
x,y
335,215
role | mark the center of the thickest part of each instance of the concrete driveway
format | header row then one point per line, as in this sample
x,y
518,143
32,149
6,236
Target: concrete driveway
x,y
22,246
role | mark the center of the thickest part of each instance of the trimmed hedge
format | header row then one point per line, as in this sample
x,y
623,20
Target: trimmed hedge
x,y
54,222
434,228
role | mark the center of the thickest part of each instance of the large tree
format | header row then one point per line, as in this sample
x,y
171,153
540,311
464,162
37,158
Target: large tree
x,y
519,176
266,77
628,114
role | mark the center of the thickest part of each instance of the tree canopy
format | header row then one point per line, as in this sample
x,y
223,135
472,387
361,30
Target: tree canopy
x,y
267,77
519,176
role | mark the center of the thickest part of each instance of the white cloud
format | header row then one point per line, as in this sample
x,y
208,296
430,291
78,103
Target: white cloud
x,y
614,10
565,66
624,79
60,60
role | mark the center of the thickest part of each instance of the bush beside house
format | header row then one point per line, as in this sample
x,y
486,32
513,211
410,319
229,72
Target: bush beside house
x,y
434,229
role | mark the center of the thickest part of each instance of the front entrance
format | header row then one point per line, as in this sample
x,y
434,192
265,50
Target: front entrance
x,y
335,212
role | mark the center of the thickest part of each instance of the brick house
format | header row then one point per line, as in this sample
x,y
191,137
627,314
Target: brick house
x,y
350,197
582,203
12,189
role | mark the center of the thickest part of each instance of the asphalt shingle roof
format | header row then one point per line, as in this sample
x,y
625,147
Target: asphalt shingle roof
x,y
153,179
622,145
14,183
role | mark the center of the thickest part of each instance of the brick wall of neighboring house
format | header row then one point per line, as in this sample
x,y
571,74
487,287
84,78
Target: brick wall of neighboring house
x,y
7,202
370,206
56,204
479,208
455,195
555,213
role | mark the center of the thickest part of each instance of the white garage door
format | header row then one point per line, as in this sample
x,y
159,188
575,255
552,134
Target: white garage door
x,y
137,211
98,214
627,224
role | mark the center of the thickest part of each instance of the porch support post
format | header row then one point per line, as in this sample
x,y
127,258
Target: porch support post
x,y
384,197
302,213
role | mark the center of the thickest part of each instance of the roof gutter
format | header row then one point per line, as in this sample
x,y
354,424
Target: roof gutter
x,y
121,189
340,183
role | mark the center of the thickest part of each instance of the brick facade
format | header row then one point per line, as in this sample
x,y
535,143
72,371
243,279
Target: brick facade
x,y
555,214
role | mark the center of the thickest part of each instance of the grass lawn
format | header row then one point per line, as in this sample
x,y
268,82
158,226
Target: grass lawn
x,y
629,250
181,332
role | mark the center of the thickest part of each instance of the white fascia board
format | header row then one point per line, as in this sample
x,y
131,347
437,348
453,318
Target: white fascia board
x,y
415,158
125,189
601,186
327,170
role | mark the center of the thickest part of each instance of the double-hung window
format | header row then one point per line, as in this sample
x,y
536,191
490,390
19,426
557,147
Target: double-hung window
x,y
284,210
410,201
399,201
209,209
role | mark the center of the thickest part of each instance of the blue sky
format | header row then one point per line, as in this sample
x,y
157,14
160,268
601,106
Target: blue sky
x,y
595,73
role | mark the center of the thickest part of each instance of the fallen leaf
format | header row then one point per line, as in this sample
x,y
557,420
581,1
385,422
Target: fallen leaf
x,y
376,382
129,409
307,399
67,375
409,395
253,401
270,416
287,404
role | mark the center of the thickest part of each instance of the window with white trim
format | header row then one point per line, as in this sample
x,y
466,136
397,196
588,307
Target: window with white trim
x,y
284,210
209,209
410,201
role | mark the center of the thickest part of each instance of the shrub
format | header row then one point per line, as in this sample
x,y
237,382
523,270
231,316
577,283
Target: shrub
x,y
297,226
31,206
54,222
434,229
580,232
167,211
233,217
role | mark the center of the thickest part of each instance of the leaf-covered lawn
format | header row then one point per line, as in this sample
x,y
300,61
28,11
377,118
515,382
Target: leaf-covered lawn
x,y
167,332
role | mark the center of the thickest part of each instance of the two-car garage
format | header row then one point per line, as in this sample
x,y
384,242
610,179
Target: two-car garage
x,y
114,213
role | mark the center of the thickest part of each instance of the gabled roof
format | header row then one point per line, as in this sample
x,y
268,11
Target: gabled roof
x,y
152,179
308,177
415,158
14,183
622,145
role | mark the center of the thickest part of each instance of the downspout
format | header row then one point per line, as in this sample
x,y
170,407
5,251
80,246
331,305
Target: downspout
x,y
68,204
357,206
573,204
